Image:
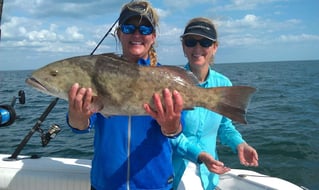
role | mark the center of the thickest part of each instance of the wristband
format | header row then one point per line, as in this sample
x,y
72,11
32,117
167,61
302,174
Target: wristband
x,y
173,135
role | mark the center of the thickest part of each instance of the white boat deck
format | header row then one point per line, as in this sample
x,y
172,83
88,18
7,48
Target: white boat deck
x,y
44,173
52,173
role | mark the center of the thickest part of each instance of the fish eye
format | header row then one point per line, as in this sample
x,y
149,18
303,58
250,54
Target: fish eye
x,y
54,73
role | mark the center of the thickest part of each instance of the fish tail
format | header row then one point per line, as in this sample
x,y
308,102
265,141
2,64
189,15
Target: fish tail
x,y
230,101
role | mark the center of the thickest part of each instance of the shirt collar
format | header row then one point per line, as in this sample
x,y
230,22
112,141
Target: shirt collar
x,y
203,84
144,62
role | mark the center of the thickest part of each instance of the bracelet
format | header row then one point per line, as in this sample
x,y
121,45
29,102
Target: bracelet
x,y
173,135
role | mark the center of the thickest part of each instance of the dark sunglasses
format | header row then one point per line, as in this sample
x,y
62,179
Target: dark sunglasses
x,y
204,42
130,29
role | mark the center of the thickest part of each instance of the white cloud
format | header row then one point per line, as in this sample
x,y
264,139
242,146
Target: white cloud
x,y
251,30
15,27
42,35
73,33
247,24
73,27
251,20
180,5
299,38
162,13
246,4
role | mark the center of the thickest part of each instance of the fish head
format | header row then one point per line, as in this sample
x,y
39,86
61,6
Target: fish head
x,y
57,78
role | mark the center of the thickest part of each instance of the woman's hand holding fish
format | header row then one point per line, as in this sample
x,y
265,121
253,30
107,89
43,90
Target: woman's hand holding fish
x,y
79,102
168,113
212,164
247,155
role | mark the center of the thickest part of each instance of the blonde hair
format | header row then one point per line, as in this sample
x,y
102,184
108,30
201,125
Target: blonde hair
x,y
145,9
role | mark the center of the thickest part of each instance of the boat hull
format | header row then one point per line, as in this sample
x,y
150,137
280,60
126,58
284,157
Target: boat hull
x,y
53,173
238,179
44,173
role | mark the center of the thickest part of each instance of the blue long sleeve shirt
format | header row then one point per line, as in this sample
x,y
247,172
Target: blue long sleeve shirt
x,y
130,152
201,129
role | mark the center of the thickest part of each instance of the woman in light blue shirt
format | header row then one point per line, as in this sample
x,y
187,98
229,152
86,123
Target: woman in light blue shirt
x,y
195,157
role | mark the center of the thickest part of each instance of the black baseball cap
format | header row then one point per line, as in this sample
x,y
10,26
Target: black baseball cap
x,y
202,29
138,9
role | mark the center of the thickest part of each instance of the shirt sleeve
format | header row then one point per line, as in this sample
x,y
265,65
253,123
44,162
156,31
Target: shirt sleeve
x,y
229,135
91,121
184,148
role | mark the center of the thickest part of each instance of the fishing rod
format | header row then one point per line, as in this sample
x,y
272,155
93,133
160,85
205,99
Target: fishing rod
x,y
1,5
106,34
54,129
45,137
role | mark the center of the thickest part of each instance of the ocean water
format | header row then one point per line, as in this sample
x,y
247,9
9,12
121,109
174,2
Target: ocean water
x,y
283,120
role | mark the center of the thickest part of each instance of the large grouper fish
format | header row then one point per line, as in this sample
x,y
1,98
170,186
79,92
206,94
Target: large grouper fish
x,y
121,87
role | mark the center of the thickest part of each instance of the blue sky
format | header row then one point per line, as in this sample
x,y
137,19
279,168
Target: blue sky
x,y
41,31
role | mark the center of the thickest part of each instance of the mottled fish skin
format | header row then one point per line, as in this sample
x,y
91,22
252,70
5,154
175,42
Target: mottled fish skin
x,y
121,87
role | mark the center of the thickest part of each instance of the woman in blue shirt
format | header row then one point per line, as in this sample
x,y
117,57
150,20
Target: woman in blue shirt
x,y
195,156
131,152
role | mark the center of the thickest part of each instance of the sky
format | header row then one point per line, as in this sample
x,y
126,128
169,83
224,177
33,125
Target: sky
x,y
38,32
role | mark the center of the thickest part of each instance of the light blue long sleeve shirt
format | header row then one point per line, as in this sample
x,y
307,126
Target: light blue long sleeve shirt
x,y
201,130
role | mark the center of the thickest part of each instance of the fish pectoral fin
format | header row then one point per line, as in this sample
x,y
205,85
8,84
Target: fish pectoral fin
x,y
97,104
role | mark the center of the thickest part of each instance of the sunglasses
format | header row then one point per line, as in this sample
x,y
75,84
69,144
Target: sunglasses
x,y
204,42
130,29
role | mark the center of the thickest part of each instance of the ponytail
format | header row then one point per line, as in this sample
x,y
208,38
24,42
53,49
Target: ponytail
x,y
153,56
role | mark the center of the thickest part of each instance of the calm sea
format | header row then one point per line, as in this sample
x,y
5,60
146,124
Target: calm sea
x,y
283,119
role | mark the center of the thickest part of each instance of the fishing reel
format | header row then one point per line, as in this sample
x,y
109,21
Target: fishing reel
x,y
51,134
8,116
45,136
7,112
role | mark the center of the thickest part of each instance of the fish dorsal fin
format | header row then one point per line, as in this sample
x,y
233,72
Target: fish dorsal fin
x,y
113,55
116,60
177,71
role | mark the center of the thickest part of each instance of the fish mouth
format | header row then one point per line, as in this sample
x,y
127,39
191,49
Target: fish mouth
x,y
36,84
46,89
